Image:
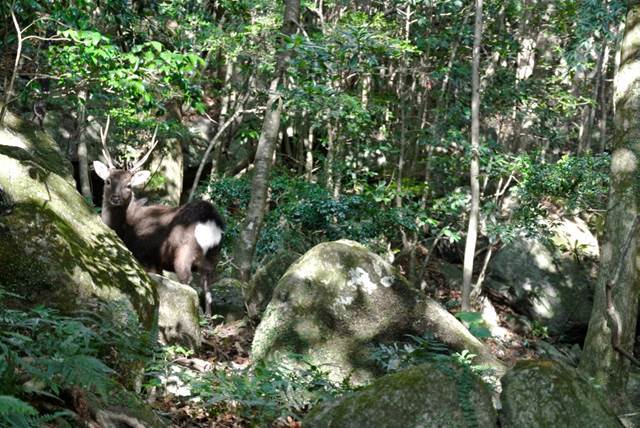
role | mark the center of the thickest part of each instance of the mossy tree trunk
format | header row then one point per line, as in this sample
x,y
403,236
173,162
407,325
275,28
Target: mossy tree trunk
x,y
600,360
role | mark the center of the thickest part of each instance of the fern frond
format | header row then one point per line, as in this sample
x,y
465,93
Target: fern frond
x,y
12,405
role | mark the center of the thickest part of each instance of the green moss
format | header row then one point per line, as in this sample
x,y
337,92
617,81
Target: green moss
x,y
422,396
547,393
53,247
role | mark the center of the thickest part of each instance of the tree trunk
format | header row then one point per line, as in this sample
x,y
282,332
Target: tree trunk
x,y
83,158
600,359
604,104
472,232
329,167
222,118
250,229
308,151
590,110
8,90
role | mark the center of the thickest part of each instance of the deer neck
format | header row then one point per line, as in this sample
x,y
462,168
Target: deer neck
x,y
114,216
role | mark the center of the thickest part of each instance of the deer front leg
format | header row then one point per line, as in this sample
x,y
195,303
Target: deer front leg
x,y
182,264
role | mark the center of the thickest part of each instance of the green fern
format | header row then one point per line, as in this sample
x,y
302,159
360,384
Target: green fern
x,y
10,405
16,413
43,353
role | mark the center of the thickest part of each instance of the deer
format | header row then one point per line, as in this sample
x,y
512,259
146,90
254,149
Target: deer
x,y
176,239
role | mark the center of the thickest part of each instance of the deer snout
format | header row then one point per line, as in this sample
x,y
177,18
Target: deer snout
x,y
115,200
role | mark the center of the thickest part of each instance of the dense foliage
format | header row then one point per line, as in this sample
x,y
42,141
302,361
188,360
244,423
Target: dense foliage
x,y
373,145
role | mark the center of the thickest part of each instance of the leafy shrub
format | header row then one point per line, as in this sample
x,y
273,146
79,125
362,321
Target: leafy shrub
x,y
303,214
574,182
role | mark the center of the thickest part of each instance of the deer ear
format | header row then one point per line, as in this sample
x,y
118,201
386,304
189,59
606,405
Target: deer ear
x,y
101,169
139,178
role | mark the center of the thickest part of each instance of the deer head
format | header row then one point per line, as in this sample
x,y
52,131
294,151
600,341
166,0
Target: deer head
x,y
120,182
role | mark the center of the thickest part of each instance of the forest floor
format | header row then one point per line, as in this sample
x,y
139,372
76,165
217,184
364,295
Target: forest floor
x,y
226,347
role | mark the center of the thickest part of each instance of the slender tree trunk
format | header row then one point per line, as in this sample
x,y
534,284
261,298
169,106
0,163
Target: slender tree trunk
x,y
590,110
308,148
604,103
612,327
83,159
329,168
472,232
8,91
401,155
225,105
214,143
251,226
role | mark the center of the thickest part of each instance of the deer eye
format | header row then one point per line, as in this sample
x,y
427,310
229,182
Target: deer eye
x,y
108,181
129,186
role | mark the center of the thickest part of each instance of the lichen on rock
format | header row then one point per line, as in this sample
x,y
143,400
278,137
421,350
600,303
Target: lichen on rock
x,y
337,301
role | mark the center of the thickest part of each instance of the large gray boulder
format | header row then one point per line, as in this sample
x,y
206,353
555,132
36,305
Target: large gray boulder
x,y
228,299
435,394
547,393
551,283
338,299
178,314
264,281
54,249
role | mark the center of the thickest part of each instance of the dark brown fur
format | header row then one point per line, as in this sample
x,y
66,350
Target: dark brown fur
x,y
160,237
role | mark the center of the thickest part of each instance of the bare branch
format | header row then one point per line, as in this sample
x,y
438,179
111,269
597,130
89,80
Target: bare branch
x,y
103,139
213,143
154,142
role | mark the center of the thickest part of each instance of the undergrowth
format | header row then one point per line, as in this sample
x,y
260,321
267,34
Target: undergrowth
x,y
261,395
44,354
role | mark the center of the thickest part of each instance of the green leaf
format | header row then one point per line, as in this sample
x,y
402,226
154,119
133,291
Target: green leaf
x,y
157,46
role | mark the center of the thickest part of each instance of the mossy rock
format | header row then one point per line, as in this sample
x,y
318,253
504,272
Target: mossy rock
x,y
339,299
546,393
54,249
549,282
178,314
228,299
438,394
23,140
264,281
120,408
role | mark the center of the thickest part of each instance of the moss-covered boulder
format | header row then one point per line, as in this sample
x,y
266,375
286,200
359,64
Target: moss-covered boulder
x,y
338,299
54,249
546,393
178,319
264,281
228,299
430,395
549,282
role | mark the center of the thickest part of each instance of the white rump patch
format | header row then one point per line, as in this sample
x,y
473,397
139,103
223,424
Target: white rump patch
x,y
208,235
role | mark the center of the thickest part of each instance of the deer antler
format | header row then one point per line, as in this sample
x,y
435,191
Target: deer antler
x,y
103,138
138,164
